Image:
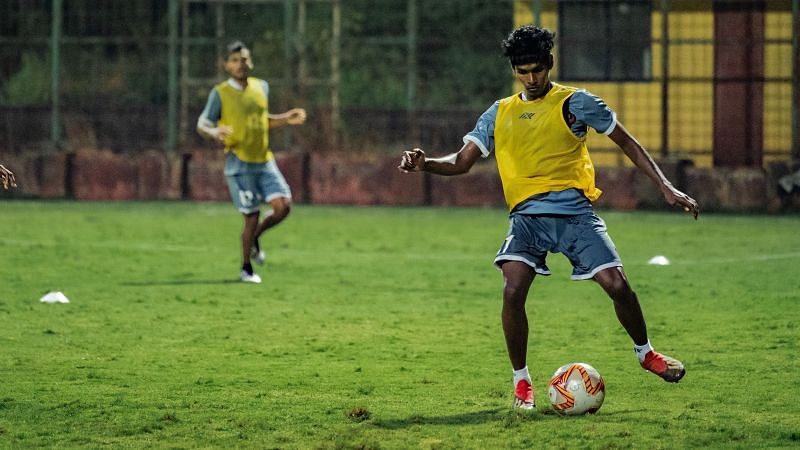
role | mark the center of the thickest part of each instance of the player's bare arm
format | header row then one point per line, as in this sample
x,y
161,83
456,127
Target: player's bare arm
x,y
7,177
636,153
453,164
295,116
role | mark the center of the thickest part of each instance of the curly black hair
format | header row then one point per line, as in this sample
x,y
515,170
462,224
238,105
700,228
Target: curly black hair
x,y
528,44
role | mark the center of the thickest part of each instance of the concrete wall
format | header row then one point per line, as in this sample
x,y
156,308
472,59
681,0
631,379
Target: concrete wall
x,y
368,179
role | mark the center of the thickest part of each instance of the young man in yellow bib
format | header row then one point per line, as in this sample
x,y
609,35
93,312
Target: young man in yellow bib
x,y
237,115
538,137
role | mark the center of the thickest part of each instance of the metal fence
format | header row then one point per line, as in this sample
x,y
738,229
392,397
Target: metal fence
x,y
377,74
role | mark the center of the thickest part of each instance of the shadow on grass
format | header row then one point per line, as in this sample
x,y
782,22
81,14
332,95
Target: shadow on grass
x,y
179,282
505,415
478,417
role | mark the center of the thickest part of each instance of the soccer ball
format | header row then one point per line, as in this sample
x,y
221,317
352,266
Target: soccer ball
x,y
575,389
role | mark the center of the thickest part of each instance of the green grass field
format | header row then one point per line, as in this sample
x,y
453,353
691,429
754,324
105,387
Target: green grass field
x,y
379,328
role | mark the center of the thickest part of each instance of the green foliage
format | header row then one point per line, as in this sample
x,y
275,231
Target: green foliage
x,y
457,47
380,80
379,328
118,76
30,85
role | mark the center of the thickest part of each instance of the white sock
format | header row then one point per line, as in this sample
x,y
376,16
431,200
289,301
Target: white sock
x,y
641,350
521,374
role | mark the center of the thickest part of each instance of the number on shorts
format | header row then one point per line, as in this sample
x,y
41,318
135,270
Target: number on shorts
x,y
246,198
508,242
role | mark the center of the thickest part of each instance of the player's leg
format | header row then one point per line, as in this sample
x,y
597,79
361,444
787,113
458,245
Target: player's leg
x,y
629,313
520,260
587,245
274,189
242,190
281,206
279,209
248,237
626,303
517,279
585,242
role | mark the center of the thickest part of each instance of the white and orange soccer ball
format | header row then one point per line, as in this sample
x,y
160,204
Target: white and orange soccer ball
x,y
576,388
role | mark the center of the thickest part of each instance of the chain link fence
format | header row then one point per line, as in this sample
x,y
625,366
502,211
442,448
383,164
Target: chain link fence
x,y
381,75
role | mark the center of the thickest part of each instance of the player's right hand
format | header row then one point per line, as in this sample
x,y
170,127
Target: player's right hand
x,y
224,132
412,161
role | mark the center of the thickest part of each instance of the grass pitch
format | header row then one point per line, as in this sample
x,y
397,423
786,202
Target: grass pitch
x,y
379,328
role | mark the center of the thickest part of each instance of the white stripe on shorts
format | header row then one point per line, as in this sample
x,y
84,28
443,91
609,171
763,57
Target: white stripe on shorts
x,y
538,270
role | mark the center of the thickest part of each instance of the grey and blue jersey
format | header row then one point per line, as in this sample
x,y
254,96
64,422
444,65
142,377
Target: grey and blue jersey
x,y
213,109
589,110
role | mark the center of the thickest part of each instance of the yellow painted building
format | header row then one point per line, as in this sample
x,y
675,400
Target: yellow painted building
x,y
691,89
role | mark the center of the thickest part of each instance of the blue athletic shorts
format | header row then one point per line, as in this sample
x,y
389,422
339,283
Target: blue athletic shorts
x,y
583,239
255,184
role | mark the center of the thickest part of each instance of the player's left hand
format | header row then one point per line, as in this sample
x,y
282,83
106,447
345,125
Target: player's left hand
x,y
7,177
676,197
412,161
296,116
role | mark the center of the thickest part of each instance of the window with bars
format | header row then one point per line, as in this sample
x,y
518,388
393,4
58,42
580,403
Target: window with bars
x,y
608,40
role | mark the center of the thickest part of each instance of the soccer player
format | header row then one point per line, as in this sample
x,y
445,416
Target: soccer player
x,y
237,115
538,137
7,177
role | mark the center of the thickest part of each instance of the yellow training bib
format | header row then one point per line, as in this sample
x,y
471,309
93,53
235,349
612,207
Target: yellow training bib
x,y
246,111
537,152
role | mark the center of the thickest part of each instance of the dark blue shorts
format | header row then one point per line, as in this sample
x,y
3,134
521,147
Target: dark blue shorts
x,y
583,239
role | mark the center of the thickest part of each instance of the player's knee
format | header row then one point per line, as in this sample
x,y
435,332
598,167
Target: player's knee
x,y
281,209
616,285
514,294
621,292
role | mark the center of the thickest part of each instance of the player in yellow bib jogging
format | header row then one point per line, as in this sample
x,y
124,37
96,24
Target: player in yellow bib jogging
x,y
237,115
538,137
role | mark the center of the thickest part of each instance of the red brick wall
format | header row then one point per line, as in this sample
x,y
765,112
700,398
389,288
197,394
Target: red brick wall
x,y
367,179
358,179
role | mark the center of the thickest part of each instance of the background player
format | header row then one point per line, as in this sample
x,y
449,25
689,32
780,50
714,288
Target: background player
x,y
237,115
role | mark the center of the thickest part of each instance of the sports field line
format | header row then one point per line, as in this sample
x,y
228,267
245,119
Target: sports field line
x,y
113,245
439,255
740,259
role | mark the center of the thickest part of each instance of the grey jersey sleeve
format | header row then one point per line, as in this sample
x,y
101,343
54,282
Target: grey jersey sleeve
x,y
483,133
590,110
213,110
265,86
